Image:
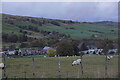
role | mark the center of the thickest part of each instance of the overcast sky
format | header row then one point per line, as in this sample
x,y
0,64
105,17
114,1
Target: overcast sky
x,y
77,11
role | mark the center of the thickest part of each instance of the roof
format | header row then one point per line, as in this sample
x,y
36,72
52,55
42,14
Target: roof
x,y
91,46
46,48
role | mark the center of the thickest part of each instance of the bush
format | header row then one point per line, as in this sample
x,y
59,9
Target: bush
x,y
16,52
51,52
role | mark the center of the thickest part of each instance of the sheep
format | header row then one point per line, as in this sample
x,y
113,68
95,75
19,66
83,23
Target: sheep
x,y
76,62
109,57
44,56
55,56
2,66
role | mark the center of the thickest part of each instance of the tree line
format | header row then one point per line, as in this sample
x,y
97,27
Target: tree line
x,y
11,37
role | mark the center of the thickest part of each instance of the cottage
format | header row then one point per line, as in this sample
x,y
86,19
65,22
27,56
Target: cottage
x,y
92,51
112,50
46,48
11,52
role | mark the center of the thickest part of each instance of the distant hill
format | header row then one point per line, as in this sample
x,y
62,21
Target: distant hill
x,y
38,27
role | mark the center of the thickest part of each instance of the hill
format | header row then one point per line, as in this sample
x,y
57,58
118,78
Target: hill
x,y
38,27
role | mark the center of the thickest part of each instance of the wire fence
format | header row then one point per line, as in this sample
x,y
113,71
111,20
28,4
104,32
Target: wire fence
x,y
60,67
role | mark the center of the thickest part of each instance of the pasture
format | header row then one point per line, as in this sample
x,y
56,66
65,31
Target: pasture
x,y
93,67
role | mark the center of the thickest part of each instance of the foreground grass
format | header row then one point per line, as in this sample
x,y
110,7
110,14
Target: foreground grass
x,y
93,67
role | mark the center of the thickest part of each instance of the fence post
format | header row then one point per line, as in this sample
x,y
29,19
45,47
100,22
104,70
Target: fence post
x,y
106,60
81,63
33,66
25,74
4,73
59,65
106,65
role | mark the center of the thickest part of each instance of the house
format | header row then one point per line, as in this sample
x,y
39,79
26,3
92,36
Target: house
x,y
112,50
11,52
92,51
46,48
31,51
91,47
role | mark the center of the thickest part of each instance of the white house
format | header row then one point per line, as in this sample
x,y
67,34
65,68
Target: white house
x,y
112,50
11,52
92,51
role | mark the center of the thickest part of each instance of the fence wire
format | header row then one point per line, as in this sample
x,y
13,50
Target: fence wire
x,y
93,67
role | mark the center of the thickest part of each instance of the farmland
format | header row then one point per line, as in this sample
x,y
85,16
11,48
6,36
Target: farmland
x,y
93,66
77,30
17,29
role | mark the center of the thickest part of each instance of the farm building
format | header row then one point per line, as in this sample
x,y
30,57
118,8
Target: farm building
x,y
29,51
11,52
46,48
92,51
91,47
112,50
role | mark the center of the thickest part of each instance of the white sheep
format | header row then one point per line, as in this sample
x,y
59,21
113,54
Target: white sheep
x,y
44,56
76,62
109,57
55,56
2,66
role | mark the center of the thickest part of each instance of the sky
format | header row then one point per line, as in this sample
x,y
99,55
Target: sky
x,y
76,11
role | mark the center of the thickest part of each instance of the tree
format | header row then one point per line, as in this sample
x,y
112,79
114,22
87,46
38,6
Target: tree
x,y
12,47
51,52
16,52
55,23
24,45
66,47
38,43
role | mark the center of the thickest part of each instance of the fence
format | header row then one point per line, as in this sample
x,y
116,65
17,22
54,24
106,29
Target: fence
x,y
60,67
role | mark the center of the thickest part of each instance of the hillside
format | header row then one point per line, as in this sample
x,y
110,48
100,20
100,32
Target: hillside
x,y
39,27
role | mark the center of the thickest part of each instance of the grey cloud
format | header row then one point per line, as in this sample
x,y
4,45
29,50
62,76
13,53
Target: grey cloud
x,y
82,11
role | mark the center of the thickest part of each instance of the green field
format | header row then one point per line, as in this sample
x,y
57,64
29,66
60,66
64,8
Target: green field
x,y
93,66
81,30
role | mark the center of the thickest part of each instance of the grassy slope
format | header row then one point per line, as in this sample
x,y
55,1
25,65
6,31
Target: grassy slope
x,y
81,30
48,67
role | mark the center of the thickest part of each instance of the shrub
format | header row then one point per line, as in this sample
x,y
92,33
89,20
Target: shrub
x,y
51,52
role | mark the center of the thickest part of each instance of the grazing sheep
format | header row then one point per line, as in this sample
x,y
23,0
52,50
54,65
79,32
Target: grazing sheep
x,y
55,55
67,56
109,57
2,66
76,62
44,56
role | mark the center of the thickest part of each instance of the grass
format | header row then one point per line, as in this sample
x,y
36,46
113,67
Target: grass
x,y
80,31
48,67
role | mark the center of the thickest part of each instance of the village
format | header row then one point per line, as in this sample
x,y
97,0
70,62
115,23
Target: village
x,y
92,50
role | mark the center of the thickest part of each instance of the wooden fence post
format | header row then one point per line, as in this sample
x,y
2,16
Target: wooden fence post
x,y
81,63
25,75
59,65
4,73
33,66
106,65
106,61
